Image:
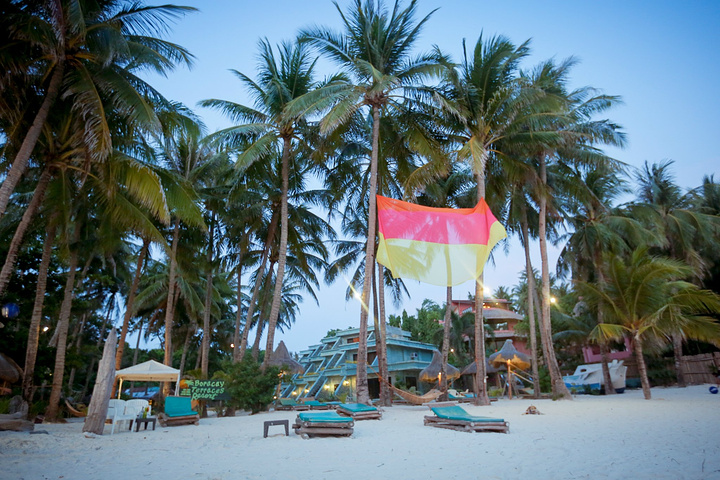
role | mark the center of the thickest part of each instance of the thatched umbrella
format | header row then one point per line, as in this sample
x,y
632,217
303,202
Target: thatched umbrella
x,y
471,368
511,358
431,373
281,357
9,370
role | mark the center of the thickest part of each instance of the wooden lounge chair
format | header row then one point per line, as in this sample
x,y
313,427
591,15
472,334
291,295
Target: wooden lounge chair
x,y
358,411
456,418
178,411
312,424
317,405
290,404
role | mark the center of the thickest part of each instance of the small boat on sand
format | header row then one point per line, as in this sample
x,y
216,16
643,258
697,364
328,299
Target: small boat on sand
x,y
590,377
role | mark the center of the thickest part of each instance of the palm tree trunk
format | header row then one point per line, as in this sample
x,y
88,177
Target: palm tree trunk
x,y
530,278
446,343
559,390
238,312
385,393
282,253
77,336
677,341
480,386
34,331
186,346
62,328
642,368
170,308
131,303
208,298
258,337
22,227
256,289
363,394
28,145
607,380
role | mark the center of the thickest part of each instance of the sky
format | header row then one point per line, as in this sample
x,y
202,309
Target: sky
x,y
661,57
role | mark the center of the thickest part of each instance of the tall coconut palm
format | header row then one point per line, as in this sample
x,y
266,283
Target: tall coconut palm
x,y
84,50
280,80
375,48
686,231
597,227
489,110
647,297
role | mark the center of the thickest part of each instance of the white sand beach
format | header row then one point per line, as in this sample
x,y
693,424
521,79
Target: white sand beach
x,y
676,435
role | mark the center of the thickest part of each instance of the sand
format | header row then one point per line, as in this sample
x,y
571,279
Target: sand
x,y
676,435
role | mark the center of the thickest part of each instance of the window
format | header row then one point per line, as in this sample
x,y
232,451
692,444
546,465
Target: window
x,y
413,356
353,340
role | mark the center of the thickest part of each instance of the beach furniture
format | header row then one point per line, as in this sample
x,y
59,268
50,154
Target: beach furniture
x,y
457,418
317,405
290,404
358,411
116,414
312,424
178,411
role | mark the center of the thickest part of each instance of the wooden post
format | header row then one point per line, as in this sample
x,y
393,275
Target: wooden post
x,y
97,410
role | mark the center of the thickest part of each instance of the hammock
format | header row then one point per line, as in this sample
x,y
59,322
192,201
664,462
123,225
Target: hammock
x,y
75,412
416,399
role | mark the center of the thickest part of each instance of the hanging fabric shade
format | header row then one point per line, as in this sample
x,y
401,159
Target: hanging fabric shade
x,y
431,372
509,354
282,358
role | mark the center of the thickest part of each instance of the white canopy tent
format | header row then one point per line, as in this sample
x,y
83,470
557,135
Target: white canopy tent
x,y
150,371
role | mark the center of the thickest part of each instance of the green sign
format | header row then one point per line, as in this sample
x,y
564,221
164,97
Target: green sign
x,y
205,390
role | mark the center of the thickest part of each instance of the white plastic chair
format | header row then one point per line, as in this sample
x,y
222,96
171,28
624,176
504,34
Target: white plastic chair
x,y
135,407
116,413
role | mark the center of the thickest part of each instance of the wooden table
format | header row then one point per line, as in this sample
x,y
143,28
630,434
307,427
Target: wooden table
x,y
145,421
267,425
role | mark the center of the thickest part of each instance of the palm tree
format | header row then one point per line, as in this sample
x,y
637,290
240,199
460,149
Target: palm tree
x,y
598,228
686,231
88,52
374,48
488,111
280,80
646,297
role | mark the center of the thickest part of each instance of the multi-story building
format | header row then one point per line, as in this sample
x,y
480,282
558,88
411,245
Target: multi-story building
x,y
331,365
497,313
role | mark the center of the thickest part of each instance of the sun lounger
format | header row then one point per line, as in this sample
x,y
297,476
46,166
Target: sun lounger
x,y
456,418
290,404
358,411
317,405
311,424
178,411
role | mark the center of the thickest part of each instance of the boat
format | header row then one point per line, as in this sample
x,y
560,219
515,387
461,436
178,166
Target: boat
x,y
590,377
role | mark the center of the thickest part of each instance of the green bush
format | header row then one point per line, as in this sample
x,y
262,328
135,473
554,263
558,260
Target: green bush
x,y
248,386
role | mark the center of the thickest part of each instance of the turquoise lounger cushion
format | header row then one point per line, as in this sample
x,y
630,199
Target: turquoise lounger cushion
x,y
323,417
314,403
458,413
178,407
288,402
357,407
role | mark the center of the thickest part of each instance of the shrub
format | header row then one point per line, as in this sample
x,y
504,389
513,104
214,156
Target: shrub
x,y
248,386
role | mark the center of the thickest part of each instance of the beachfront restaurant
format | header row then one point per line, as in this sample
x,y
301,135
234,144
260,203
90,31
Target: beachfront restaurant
x,y
330,366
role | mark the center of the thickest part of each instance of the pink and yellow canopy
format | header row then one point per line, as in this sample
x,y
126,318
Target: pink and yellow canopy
x,y
439,246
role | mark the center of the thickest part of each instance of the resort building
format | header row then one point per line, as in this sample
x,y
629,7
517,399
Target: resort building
x,y
331,365
497,314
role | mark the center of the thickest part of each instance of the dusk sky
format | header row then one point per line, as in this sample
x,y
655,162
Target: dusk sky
x,y
661,57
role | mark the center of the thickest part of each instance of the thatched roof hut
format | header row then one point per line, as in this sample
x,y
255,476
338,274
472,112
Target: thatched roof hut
x,y
10,371
471,370
282,358
431,372
509,354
